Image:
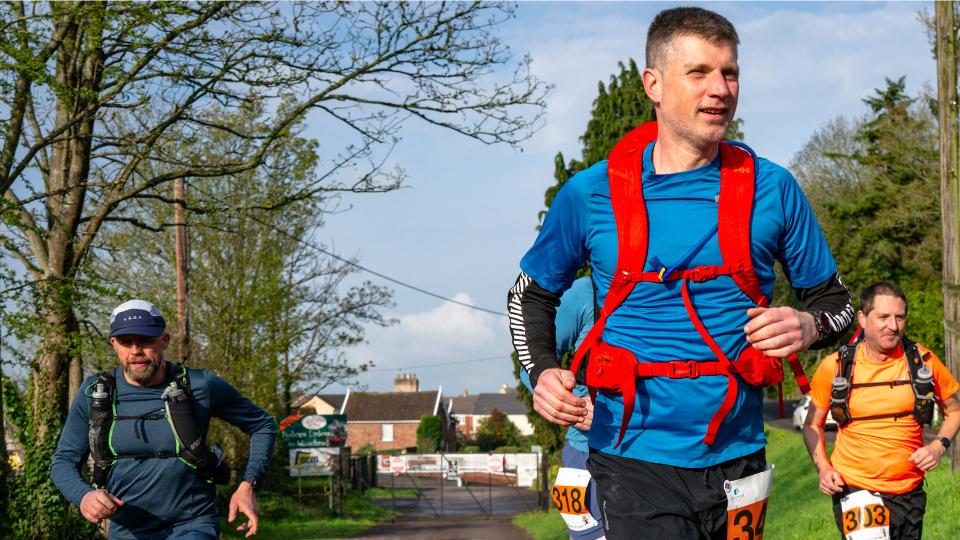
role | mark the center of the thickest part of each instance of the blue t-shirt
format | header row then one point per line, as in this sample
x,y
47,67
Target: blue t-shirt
x,y
573,321
161,495
671,416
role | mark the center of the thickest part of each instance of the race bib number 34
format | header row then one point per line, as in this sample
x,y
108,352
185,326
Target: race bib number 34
x,y
747,505
570,497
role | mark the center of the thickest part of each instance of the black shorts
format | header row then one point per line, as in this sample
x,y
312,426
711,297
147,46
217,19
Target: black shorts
x,y
906,511
639,499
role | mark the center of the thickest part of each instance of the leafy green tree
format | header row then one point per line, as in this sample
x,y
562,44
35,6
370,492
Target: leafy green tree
x,y
874,185
429,433
106,104
619,107
497,430
267,311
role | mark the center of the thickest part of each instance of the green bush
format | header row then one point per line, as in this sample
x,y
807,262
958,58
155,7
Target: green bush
x,y
429,433
470,449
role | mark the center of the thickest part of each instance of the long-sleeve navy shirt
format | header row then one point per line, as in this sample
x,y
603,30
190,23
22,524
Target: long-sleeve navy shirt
x,y
161,495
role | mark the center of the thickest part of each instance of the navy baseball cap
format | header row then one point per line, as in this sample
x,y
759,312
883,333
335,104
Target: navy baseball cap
x,y
137,317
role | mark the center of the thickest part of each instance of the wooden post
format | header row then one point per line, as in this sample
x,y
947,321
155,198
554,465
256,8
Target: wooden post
x,y
183,323
949,188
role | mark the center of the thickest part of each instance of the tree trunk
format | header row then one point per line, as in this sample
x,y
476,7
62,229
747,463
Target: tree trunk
x,y
949,188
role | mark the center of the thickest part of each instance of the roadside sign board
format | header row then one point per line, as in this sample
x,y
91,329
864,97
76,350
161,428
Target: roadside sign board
x,y
312,461
495,463
398,464
314,430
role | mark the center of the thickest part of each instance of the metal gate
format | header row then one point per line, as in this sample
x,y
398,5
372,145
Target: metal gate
x,y
462,485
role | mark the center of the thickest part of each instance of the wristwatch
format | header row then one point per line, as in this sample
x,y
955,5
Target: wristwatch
x,y
255,482
945,442
822,322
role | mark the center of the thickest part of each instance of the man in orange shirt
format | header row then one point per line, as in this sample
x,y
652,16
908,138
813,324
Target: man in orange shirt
x,y
879,391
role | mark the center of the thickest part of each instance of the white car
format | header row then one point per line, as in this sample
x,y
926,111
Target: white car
x,y
800,414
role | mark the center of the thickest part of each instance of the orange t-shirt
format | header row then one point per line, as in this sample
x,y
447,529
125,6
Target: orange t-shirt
x,y
873,454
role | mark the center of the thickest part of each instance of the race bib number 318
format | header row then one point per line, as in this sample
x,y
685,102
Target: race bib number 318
x,y
570,496
747,505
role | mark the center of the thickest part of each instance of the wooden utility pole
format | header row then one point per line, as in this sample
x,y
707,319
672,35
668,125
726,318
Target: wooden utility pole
x,y
949,188
183,322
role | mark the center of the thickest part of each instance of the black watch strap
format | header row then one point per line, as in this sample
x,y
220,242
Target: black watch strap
x,y
255,482
945,442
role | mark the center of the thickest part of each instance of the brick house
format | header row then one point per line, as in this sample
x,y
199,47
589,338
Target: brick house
x,y
469,409
389,420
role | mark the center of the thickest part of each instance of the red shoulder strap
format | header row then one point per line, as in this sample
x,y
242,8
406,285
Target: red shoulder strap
x,y
625,170
737,172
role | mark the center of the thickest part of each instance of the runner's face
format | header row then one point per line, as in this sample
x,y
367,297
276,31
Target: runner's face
x,y
141,357
698,90
883,326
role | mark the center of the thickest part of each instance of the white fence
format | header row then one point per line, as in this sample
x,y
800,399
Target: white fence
x,y
522,465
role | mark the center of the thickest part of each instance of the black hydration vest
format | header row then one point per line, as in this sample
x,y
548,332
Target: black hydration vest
x,y
179,413
922,410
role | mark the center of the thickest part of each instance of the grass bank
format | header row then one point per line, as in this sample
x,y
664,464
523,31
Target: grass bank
x,y
797,510
282,517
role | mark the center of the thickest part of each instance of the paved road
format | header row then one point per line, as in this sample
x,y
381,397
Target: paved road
x,y
498,528
476,511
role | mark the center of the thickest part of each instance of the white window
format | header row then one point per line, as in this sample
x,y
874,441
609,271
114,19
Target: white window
x,y
386,432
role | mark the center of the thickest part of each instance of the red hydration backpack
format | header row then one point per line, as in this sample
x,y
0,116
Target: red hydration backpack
x,y
614,369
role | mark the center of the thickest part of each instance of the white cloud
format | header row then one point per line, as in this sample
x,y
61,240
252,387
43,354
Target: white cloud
x,y
448,334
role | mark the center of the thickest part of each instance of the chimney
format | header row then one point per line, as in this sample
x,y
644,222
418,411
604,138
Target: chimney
x,y
406,382
503,389
464,392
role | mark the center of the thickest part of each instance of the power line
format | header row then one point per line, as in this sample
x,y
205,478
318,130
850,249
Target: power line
x,y
364,268
499,356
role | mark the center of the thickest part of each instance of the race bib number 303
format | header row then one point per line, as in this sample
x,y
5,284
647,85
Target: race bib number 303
x,y
570,497
747,505
864,517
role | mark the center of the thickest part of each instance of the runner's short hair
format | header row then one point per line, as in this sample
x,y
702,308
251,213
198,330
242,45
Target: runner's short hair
x,y
880,288
686,21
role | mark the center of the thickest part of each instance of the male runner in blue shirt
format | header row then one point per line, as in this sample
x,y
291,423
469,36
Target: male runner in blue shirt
x,y
151,492
664,480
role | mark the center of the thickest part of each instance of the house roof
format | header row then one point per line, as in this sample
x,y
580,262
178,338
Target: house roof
x,y
464,404
484,404
334,400
508,403
390,406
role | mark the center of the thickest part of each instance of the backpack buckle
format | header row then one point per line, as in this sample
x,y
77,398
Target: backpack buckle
x,y
684,370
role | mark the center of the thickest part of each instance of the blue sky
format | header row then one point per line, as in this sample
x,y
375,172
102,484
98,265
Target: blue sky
x,y
469,211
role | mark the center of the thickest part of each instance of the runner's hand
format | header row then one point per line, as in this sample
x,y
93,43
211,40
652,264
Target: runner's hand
x,y
554,400
99,505
780,331
830,481
584,423
245,501
927,457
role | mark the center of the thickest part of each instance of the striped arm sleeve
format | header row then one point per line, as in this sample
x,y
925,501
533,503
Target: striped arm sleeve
x,y
833,298
532,310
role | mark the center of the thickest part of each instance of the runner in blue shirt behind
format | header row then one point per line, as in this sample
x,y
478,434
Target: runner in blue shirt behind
x,y
575,316
150,486
675,461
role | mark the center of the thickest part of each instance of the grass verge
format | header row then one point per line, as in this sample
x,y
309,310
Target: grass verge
x,y
282,519
797,509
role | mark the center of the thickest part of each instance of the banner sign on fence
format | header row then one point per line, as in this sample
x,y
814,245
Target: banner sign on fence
x,y
398,464
312,461
314,430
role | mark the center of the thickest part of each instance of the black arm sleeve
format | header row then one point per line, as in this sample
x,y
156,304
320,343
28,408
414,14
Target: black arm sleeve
x,y
832,298
532,310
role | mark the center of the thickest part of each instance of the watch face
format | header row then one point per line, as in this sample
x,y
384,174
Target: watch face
x,y
825,327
